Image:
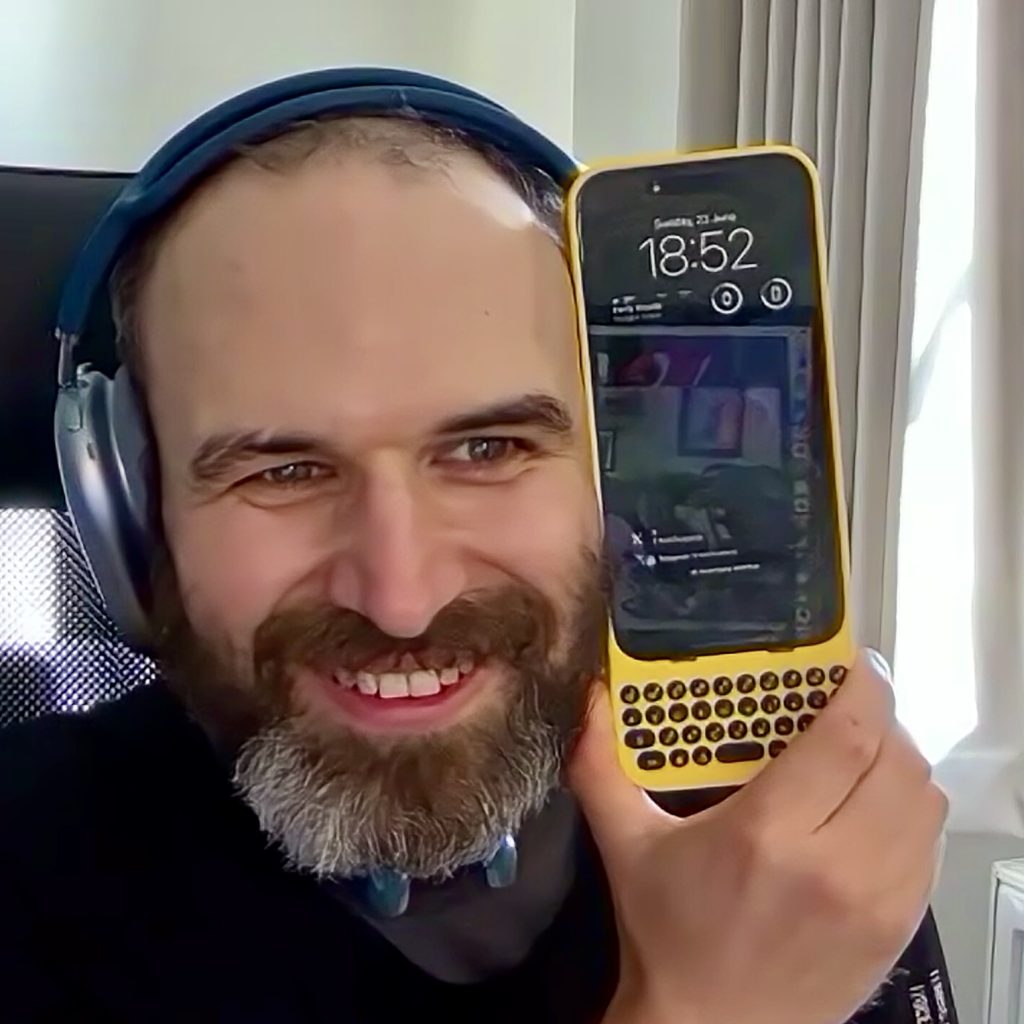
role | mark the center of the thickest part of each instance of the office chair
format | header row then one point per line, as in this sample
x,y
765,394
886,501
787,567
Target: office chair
x,y
58,649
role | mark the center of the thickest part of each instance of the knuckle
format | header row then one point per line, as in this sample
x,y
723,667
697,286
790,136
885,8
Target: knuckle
x,y
832,895
764,850
874,686
851,740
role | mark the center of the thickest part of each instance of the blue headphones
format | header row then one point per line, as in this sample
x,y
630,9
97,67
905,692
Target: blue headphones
x,y
100,432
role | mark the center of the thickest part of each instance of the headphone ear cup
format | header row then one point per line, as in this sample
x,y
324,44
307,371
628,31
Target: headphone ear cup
x,y
102,453
132,447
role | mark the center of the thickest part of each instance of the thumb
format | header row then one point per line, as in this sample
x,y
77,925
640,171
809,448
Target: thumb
x,y
620,814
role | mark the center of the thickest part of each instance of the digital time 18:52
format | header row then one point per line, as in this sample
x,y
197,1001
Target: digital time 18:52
x,y
713,251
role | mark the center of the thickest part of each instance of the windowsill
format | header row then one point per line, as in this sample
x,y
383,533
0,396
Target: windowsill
x,y
984,781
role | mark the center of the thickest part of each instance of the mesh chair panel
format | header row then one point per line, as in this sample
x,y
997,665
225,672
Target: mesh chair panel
x,y
58,649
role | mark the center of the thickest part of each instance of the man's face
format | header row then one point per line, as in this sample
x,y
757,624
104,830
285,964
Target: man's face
x,y
377,501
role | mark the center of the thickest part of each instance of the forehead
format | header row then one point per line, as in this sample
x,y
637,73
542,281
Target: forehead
x,y
347,290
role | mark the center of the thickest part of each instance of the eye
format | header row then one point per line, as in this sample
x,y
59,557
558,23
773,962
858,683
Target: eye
x,y
291,474
488,451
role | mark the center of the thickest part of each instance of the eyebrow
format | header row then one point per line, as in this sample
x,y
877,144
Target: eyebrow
x,y
540,411
220,453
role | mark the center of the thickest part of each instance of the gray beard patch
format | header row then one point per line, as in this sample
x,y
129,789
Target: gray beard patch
x,y
426,807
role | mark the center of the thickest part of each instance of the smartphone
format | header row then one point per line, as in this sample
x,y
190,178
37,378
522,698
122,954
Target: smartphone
x,y
707,361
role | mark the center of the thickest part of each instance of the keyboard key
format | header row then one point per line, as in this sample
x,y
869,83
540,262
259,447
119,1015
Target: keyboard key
x,y
702,756
837,673
770,704
700,688
769,681
724,708
784,726
629,694
723,686
746,683
737,730
792,679
679,758
678,712
668,736
730,753
748,706
817,699
793,701
653,691
639,738
776,747
761,728
676,690
632,717
715,732
650,760
655,714
815,677
691,734
701,710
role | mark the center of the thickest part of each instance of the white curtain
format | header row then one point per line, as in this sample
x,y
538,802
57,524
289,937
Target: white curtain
x,y
845,80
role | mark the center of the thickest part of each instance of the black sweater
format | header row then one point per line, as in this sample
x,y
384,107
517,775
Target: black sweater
x,y
136,887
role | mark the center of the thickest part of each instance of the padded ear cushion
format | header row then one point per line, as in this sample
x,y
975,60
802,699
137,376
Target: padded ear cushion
x,y
103,451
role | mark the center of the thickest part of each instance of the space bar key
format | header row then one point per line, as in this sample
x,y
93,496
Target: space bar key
x,y
730,753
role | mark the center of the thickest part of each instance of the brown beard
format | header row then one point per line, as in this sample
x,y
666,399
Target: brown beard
x,y
340,802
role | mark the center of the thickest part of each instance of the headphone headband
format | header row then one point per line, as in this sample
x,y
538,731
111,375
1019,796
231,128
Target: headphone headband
x,y
207,141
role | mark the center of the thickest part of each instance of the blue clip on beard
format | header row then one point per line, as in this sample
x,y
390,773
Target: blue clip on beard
x,y
385,891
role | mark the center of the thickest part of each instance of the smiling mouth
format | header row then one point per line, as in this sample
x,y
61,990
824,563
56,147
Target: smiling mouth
x,y
397,684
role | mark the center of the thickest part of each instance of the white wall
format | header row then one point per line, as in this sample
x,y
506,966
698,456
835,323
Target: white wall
x,y
627,77
101,83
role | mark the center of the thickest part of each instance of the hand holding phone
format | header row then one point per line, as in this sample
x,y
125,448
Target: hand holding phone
x,y
789,902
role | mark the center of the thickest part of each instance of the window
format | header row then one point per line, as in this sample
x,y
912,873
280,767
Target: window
x,y
934,658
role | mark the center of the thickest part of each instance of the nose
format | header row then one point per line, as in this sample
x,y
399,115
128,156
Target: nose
x,y
399,567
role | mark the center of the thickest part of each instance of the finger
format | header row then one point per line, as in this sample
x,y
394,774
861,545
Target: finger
x,y
805,786
887,838
895,814
620,814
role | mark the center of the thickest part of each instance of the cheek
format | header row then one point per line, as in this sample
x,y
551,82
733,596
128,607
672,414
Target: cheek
x,y
536,530
233,566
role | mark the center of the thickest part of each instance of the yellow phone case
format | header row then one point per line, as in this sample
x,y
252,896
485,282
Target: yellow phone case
x,y
684,724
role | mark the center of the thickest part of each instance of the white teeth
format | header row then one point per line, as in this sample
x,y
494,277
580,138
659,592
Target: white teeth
x,y
421,682
394,684
344,679
424,683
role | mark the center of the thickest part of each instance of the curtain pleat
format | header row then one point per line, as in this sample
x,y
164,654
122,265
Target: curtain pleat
x,y
805,77
778,99
750,118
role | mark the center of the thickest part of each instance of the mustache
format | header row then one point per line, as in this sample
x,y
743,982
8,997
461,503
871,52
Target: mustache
x,y
513,624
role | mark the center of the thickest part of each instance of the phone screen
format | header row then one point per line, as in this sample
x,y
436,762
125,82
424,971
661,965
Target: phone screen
x,y
705,322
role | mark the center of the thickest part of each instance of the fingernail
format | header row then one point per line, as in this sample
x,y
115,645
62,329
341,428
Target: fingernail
x,y
879,663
